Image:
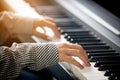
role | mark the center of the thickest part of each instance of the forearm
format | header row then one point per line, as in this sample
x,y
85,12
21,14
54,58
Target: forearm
x,y
16,23
33,56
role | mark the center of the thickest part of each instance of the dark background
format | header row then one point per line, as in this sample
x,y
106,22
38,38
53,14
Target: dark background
x,y
111,5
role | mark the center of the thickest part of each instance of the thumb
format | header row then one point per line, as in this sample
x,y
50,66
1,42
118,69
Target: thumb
x,y
40,35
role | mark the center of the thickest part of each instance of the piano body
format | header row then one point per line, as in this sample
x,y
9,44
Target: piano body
x,y
88,24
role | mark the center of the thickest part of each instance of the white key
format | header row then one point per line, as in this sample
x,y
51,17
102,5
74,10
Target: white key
x,y
88,73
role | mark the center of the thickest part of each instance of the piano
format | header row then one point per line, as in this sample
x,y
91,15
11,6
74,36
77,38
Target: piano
x,y
86,23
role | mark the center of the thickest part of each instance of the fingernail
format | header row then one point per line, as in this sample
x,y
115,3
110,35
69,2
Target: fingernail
x,y
88,64
81,67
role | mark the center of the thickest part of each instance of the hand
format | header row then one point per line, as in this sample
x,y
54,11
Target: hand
x,y
66,51
46,28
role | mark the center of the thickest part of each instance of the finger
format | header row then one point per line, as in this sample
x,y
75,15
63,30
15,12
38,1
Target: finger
x,y
71,52
44,23
53,27
78,47
49,19
63,57
73,61
74,52
41,35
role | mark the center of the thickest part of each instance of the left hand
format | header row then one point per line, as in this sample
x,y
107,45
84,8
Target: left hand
x,y
46,28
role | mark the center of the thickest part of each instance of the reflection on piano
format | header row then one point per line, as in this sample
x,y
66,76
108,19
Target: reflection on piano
x,y
85,23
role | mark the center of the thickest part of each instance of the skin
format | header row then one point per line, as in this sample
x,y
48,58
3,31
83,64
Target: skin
x,y
50,23
66,51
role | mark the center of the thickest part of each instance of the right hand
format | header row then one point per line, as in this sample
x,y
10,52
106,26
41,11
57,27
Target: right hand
x,y
66,51
43,23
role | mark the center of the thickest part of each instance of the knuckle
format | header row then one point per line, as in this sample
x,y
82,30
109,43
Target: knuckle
x,y
80,47
78,51
54,24
64,44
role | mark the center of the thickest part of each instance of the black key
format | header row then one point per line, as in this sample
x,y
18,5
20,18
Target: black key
x,y
98,63
115,73
101,54
50,10
69,27
104,53
107,73
77,33
111,72
74,31
91,43
108,66
100,51
79,37
104,58
84,40
82,37
96,47
114,78
65,20
66,24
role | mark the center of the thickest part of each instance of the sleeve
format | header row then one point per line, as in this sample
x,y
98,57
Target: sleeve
x,y
17,23
31,55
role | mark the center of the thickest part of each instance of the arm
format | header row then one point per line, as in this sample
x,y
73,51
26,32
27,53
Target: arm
x,y
21,24
33,56
16,23
37,56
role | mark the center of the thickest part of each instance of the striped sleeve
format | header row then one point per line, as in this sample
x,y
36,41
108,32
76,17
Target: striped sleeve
x,y
31,55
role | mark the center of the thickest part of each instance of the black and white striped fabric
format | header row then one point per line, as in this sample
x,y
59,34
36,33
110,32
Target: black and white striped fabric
x,y
32,55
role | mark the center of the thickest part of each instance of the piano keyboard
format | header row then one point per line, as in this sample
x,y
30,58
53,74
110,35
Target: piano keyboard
x,y
105,61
